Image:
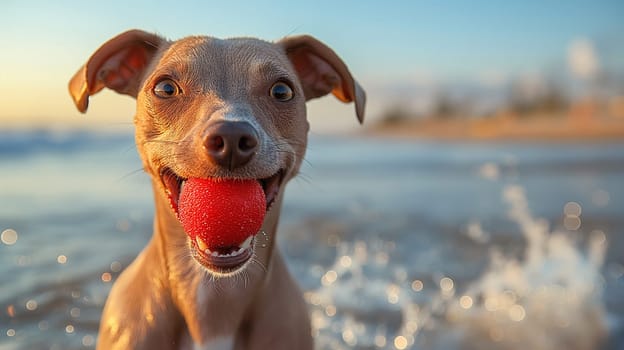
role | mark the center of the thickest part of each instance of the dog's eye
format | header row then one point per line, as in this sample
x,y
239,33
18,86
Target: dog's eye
x,y
166,88
281,92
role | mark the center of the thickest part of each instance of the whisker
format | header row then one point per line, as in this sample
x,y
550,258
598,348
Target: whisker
x,y
286,152
255,260
289,143
152,44
216,283
129,148
132,173
161,141
291,32
304,178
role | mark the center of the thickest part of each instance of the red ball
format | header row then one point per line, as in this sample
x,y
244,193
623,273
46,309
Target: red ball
x,y
222,213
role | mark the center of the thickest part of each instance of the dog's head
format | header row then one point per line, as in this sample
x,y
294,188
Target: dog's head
x,y
225,109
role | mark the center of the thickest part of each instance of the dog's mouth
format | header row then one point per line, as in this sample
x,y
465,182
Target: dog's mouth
x,y
223,260
220,259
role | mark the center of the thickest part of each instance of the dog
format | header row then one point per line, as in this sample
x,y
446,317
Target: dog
x,y
219,109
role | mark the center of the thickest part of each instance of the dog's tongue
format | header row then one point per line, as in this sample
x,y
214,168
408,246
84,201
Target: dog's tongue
x,y
222,213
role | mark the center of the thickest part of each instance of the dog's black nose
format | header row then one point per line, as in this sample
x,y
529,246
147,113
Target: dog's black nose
x,y
230,144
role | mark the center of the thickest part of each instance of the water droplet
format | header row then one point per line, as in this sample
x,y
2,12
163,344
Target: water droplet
x,y
8,236
476,233
265,235
572,223
572,209
329,277
31,305
61,259
69,329
516,313
465,302
392,293
123,225
313,298
74,312
417,285
345,261
11,310
349,337
106,277
380,341
400,274
10,332
411,326
598,236
88,340
115,266
400,342
489,171
330,310
446,284
43,325
382,258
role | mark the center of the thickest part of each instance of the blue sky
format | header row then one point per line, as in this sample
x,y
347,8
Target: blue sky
x,y
385,43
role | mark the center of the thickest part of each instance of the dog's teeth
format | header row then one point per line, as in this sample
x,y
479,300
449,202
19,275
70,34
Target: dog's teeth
x,y
215,254
182,183
247,243
201,244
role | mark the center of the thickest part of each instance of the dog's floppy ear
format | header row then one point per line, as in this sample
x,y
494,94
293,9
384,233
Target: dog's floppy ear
x,y
118,64
321,71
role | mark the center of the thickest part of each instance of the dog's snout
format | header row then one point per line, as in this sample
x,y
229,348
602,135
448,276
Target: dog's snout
x,y
230,144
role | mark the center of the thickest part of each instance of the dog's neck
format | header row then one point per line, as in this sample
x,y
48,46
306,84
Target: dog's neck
x,y
212,306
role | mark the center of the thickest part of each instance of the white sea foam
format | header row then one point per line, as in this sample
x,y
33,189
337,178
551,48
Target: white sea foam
x,y
548,299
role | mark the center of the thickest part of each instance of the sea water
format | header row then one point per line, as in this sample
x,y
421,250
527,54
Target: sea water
x,y
396,244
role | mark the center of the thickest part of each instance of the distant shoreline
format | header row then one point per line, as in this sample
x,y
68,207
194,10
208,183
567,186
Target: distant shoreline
x,y
498,129
541,129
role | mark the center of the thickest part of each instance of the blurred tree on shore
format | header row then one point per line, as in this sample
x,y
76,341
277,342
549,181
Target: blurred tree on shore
x,y
547,100
396,115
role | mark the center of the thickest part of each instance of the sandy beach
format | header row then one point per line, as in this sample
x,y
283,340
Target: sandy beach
x,y
506,128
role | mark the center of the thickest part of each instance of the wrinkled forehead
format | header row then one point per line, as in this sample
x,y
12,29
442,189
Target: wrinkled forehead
x,y
212,57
